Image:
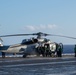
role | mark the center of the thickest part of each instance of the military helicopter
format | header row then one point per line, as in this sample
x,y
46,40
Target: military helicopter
x,y
33,46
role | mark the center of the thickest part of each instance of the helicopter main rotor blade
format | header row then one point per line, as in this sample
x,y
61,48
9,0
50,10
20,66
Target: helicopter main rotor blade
x,y
39,34
15,35
61,36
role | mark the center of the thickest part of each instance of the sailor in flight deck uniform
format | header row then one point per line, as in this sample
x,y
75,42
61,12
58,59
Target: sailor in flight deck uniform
x,y
60,50
75,50
3,54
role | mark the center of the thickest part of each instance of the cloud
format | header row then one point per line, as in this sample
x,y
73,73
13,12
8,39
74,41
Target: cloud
x,y
51,26
40,27
30,27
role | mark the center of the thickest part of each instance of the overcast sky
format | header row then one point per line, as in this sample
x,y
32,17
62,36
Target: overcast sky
x,y
30,16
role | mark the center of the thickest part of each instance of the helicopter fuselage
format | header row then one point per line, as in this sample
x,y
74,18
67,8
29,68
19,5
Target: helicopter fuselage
x,y
30,47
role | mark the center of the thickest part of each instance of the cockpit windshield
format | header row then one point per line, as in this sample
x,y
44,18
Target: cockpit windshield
x,y
29,41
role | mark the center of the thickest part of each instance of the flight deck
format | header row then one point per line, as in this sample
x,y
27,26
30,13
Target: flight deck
x,y
65,65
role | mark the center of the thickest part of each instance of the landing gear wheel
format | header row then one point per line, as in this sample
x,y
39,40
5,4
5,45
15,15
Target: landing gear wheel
x,y
24,56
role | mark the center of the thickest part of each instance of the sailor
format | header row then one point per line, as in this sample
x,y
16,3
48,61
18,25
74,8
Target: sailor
x,y
75,50
59,51
3,55
47,50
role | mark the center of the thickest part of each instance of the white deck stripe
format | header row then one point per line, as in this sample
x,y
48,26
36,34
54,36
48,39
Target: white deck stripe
x,y
37,64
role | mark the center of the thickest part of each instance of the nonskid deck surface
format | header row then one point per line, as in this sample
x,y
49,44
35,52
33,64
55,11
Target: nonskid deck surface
x,y
65,65
19,58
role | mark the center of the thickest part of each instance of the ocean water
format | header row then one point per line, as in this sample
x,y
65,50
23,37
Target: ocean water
x,y
67,49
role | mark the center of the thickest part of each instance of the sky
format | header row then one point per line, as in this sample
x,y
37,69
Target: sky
x,y
32,16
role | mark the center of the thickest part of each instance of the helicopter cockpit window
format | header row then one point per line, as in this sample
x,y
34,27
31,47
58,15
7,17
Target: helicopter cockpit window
x,y
29,41
25,40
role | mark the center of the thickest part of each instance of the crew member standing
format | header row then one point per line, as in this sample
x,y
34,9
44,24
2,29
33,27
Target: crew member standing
x,y
75,50
59,51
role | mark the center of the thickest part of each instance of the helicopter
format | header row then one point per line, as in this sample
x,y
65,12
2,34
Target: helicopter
x,y
33,46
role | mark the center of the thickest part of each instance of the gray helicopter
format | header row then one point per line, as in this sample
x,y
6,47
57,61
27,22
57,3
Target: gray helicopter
x,y
33,46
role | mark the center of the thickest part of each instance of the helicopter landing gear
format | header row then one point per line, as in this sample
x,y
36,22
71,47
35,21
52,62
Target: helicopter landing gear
x,y
24,56
3,54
